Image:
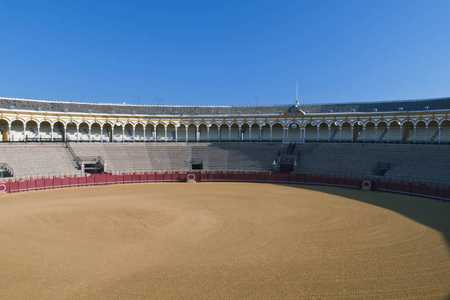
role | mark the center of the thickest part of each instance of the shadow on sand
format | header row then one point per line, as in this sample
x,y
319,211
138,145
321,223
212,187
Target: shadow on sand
x,y
429,212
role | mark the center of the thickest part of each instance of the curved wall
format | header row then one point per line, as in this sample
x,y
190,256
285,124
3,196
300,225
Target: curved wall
x,y
291,124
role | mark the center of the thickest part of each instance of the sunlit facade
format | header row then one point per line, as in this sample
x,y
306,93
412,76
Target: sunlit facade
x,y
35,120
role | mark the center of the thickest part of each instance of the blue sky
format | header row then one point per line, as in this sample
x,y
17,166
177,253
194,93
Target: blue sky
x,y
224,52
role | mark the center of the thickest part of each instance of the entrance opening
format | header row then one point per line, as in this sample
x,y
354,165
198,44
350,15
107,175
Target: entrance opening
x,y
91,164
197,166
5,170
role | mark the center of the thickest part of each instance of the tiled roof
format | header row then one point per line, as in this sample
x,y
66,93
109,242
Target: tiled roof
x,y
380,106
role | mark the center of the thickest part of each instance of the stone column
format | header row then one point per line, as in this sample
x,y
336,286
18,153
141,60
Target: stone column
x,y
440,129
352,128
304,134
376,132
401,133
389,133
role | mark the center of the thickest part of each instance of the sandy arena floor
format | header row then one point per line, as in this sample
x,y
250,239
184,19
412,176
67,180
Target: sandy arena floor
x,y
222,240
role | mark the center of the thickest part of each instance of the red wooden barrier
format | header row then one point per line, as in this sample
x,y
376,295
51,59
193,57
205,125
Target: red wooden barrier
x,y
447,194
23,186
151,177
398,187
239,177
99,179
440,193
31,185
285,177
407,188
341,181
65,182
383,185
415,188
73,181
126,178
135,178
82,181
49,183
14,187
57,182
40,184
183,177
431,191
143,178
110,179
315,179
423,190
90,180
252,177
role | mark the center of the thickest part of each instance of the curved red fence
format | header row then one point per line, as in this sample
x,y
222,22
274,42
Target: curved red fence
x,y
106,179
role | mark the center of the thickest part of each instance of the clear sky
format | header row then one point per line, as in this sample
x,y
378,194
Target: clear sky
x,y
224,52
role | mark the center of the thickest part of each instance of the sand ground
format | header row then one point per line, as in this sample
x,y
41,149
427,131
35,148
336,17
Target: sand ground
x,y
222,240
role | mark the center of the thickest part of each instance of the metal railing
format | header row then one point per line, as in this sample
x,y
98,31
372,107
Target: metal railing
x,y
72,154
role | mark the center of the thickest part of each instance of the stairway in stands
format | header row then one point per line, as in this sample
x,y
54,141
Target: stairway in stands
x,y
288,156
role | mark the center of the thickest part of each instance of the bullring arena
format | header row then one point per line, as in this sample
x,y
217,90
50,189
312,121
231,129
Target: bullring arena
x,y
342,201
